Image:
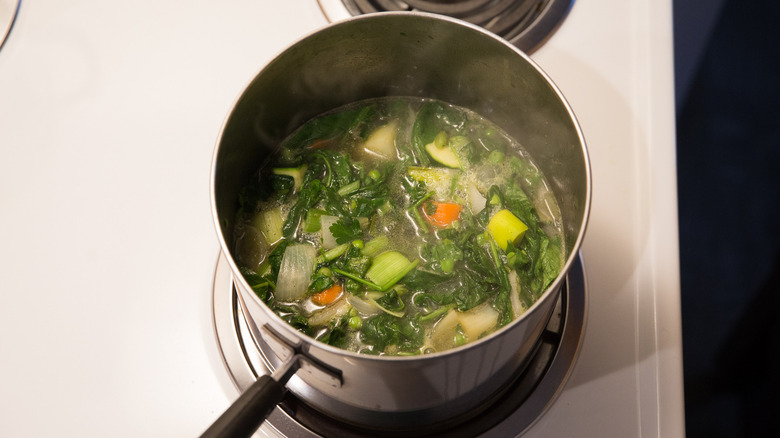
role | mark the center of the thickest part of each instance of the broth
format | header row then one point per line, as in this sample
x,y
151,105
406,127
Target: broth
x,y
398,226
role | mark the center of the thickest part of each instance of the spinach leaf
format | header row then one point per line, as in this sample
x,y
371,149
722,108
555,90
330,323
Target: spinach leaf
x,y
283,186
308,197
466,290
337,166
319,283
333,126
385,330
336,334
263,286
444,255
391,301
354,262
373,194
433,118
294,316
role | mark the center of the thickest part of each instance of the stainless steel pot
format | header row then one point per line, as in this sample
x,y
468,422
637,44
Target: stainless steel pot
x,y
401,54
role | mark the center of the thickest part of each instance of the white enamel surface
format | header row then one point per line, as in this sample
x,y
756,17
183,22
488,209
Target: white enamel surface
x,y
109,112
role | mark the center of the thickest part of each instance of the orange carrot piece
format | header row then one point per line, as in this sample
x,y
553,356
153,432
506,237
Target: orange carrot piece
x,y
446,213
328,295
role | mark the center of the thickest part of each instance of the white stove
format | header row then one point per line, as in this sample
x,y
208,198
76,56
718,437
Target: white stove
x,y
109,113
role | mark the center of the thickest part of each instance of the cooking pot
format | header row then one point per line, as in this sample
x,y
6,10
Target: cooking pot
x,y
395,54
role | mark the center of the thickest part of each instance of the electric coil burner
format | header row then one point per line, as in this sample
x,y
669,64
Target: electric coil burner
x,y
528,396
524,23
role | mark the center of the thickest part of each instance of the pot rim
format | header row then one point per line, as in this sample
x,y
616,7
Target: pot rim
x,y
553,288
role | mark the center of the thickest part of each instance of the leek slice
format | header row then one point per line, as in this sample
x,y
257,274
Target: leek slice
x,y
373,246
388,268
506,227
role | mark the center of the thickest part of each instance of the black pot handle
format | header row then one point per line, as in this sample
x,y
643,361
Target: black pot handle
x,y
249,411
252,407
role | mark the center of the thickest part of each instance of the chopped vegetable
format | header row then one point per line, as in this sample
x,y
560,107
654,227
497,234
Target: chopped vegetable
x,y
364,307
312,223
398,227
506,227
375,245
345,229
441,152
333,312
295,172
382,140
443,213
295,272
328,239
269,223
327,296
388,268
477,321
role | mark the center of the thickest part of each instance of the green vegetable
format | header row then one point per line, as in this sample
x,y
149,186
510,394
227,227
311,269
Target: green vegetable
x,y
269,223
369,212
346,229
375,245
388,268
385,330
441,152
307,198
296,173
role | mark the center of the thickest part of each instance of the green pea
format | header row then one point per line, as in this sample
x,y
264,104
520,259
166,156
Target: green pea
x,y
355,322
374,174
358,244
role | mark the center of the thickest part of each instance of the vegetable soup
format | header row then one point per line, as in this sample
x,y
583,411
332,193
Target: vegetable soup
x,y
398,226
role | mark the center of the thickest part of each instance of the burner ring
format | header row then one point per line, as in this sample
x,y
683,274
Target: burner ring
x,y
525,23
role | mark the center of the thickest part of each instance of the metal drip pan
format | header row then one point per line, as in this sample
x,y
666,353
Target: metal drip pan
x,y
534,389
525,23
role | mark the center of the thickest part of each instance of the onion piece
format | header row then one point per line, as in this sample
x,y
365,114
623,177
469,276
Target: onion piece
x,y
295,271
363,307
389,312
332,312
476,200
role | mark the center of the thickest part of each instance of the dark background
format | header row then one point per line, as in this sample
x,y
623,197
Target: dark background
x,y
727,72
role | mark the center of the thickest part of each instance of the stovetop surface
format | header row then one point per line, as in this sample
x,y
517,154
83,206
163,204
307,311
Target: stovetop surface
x,y
109,113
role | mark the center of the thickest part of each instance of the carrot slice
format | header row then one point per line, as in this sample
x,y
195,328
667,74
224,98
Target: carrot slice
x,y
328,295
446,213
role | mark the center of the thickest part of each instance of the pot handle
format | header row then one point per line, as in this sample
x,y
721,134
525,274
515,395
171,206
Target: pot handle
x,y
252,407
